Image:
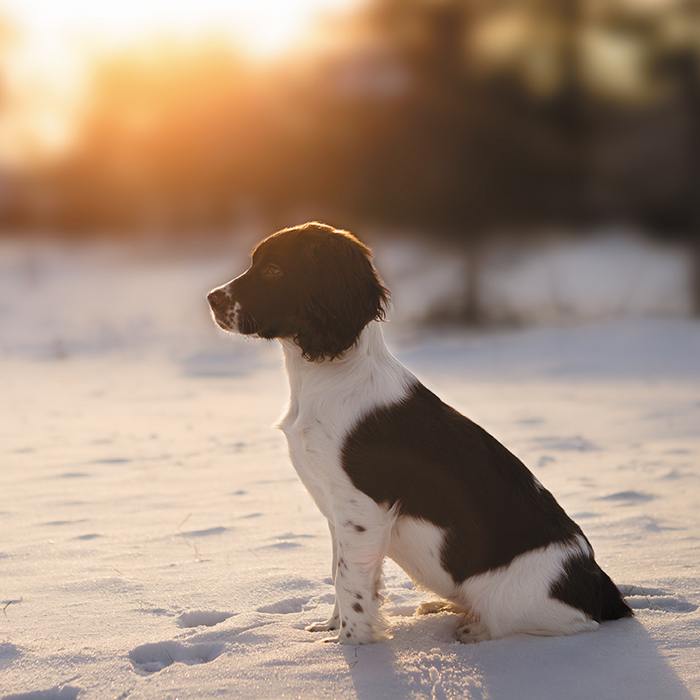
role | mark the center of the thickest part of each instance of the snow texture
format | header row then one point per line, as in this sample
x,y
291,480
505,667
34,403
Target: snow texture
x,y
156,542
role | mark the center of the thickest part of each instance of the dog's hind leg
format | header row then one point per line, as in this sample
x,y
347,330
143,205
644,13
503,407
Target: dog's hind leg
x,y
430,607
472,630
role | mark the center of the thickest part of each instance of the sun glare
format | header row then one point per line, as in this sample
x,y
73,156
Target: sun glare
x,y
53,43
263,27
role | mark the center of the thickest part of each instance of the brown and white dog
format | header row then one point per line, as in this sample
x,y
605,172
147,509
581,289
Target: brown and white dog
x,y
396,471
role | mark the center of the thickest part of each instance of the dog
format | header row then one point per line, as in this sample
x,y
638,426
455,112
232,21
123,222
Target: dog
x,y
397,472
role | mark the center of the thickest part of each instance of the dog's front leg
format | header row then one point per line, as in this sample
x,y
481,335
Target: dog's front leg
x,y
361,550
333,622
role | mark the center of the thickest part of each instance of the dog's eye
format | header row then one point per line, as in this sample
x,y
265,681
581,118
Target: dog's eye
x,y
272,271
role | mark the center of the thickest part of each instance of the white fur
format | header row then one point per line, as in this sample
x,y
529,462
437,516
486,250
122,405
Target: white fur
x,y
515,598
233,314
327,399
415,546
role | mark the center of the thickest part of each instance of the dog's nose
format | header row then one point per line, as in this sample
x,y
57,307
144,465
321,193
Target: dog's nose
x,y
216,297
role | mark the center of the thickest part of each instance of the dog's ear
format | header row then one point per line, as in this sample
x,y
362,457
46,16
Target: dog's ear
x,y
341,295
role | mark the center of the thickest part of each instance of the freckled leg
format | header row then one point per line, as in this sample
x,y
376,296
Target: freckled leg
x,y
361,553
333,622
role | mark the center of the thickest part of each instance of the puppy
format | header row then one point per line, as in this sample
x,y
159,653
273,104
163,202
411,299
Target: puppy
x,y
396,471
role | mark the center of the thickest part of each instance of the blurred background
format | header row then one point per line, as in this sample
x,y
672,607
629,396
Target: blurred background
x,y
482,147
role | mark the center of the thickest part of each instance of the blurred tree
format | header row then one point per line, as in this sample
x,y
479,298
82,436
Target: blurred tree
x,y
7,176
470,144
165,137
457,117
685,72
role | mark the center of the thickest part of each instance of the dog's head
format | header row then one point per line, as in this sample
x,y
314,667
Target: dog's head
x,y
312,283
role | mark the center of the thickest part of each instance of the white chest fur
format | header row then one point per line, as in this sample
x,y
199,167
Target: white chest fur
x,y
327,399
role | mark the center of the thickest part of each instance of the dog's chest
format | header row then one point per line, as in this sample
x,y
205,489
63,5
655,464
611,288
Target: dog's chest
x,y
327,401
315,450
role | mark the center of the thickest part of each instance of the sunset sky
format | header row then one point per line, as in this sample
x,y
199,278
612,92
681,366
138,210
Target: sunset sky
x,y
49,45
264,27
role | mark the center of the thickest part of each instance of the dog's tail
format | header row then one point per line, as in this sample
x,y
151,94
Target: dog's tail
x,y
614,606
584,585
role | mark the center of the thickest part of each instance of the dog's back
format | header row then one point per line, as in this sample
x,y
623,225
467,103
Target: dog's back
x,y
432,465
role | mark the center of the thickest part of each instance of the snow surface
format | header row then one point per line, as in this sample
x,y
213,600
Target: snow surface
x,y
156,542
551,279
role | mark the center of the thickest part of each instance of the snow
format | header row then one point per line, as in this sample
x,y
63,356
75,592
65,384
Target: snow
x,y
551,279
157,543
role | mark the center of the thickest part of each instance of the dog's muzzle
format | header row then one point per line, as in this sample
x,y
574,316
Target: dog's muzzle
x,y
222,309
216,298
229,314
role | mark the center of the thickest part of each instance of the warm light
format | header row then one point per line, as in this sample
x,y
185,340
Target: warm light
x,y
46,67
263,27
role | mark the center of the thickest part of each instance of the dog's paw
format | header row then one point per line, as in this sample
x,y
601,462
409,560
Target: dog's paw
x,y
430,607
353,638
472,631
332,623
356,632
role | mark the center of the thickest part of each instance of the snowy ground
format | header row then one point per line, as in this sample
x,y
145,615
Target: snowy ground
x,y
157,544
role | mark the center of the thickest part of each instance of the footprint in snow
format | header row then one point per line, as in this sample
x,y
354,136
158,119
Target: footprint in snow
x,y
640,598
202,618
436,673
9,653
151,658
152,610
282,545
283,541
534,420
66,692
573,443
627,498
209,532
290,605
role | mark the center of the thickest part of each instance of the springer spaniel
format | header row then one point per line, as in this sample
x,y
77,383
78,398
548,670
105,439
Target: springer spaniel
x,y
396,471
